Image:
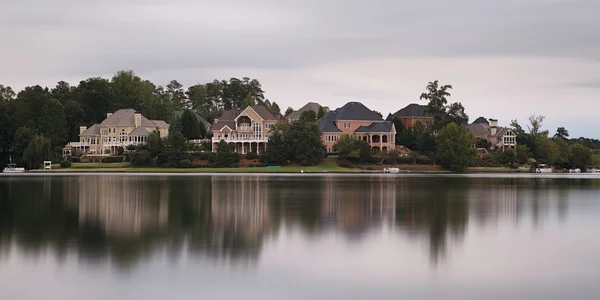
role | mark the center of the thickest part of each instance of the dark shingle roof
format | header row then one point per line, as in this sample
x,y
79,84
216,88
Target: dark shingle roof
x,y
140,131
481,120
376,127
327,123
411,110
223,123
356,111
125,117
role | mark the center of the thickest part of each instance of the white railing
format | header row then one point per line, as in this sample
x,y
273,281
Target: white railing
x,y
79,144
241,139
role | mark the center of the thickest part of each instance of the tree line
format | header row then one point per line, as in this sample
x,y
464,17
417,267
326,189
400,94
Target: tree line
x,y
53,115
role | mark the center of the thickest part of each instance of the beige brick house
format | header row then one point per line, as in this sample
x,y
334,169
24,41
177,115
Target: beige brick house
x,y
247,130
120,129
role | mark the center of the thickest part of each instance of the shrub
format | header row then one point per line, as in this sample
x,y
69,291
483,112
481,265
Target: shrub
x,y
404,160
344,163
212,158
141,158
236,157
75,159
424,160
251,155
185,163
374,160
131,148
112,159
389,160
263,158
65,164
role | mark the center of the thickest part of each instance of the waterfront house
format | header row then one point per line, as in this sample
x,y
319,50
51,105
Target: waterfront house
x,y
120,129
500,137
247,130
356,119
411,114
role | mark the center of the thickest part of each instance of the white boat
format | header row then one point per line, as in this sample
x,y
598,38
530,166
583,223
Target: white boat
x,y
391,170
12,168
575,171
543,169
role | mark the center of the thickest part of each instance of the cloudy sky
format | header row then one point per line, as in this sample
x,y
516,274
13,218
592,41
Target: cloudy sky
x,y
506,59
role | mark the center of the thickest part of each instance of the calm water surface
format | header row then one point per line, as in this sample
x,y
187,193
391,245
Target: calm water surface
x,y
299,237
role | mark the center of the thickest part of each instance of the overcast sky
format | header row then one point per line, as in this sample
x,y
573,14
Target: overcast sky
x,y
505,58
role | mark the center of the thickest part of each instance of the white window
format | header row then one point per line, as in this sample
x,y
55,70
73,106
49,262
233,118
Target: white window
x,y
268,125
257,130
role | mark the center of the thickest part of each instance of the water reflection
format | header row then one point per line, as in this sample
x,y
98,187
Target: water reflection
x,y
125,219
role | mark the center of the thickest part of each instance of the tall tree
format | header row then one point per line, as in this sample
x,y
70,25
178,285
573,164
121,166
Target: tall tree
x,y
456,114
94,96
535,125
53,123
28,105
130,91
580,156
308,116
562,133
190,125
38,150
6,93
177,95
437,96
303,142
456,149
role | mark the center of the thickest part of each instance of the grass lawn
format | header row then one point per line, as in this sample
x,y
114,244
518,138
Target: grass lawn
x,y
329,165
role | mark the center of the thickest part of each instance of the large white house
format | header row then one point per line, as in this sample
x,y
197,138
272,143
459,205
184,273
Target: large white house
x,y
120,129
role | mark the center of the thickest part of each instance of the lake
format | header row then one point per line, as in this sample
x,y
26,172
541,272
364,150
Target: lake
x,y
234,236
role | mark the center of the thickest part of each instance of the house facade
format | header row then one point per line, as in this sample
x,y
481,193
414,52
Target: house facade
x,y
120,129
245,130
357,120
502,138
295,115
411,114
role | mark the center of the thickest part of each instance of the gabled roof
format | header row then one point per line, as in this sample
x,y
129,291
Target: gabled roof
x,y
125,117
411,110
229,115
222,123
376,127
92,131
264,113
140,131
484,130
327,123
308,106
160,123
356,111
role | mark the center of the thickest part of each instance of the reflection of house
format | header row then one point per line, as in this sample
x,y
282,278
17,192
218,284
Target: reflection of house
x,y
357,205
412,114
120,129
356,119
500,137
295,115
122,206
247,129
240,204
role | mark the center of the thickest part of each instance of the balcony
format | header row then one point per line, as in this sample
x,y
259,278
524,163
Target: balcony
x,y
79,144
239,139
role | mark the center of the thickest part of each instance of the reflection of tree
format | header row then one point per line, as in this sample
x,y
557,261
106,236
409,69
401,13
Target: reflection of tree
x,y
438,209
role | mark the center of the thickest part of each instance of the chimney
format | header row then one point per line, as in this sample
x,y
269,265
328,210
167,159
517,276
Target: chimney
x,y
138,120
82,129
493,126
216,121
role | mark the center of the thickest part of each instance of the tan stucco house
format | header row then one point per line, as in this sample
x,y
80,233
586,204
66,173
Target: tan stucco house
x,y
120,129
247,130
356,119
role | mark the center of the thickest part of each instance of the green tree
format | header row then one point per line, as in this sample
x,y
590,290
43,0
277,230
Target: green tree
x,y
345,145
176,126
427,144
308,116
94,96
224,157
6,94
546,150
288,111
155,143
190,125
28,105
562,133
53,123
276,152
437,97
177,95
563,153
455,148
177,141
522,154
130,91
303,142
456,114
38,150
321,112
580,156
